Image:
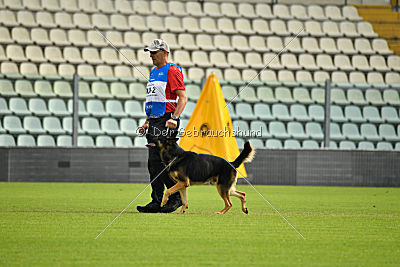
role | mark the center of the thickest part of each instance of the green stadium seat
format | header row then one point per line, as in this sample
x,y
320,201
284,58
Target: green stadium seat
x,y
120,90
240,142
128,126
314,130
295,129
337,114
338,97
240,126
104,141
284,95
347,145
13,125
356,97
7,140
374,97
310,144
257,126
266,95
138,91
18,106
85,141
277,130
397,146
44,89
369,132
24,88
256,143
6,88
388,133
67,125
64,140
57,107
123,141
33,125
230,94
110,126
281,112
366,145
273,143
134,109
291,144
248,94
353,114
263,112
25,140
81,106
301,95
384,146
63,89
95,108
316,112
52,125
391,97
318,95
46,140
335,133
114,108
193,91
299,112
140,141
38,107
3,107
350,131
332,144
189,108
84,90
371,113
91,126
390,115
245,111
100,90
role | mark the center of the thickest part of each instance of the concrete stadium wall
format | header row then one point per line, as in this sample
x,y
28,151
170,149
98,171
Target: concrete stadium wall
x,y
270,166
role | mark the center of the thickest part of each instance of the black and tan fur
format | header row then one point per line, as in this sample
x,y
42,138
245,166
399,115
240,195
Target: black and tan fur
x,y
189,168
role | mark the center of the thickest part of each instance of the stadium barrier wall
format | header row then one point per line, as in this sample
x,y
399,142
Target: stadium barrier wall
x,y
270,166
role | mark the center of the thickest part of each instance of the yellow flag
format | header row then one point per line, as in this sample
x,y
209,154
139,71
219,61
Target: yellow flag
x,y
209,130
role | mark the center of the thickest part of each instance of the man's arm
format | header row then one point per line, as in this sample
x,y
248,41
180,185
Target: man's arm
x,y
179,108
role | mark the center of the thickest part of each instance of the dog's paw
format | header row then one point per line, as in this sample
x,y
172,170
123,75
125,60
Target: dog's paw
x,y
246,211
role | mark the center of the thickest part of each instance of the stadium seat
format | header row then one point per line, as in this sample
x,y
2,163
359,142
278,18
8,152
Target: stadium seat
x,y
248,94
82,108
284,95
366,145
356,97
371,113
390,115
374,97
134,109
310,144
391,97
114,108
340,79
281,112
277,130
299,112
353,114
10,70
44,89
33,125
240,126
393,79
393,62
38,107
63,89
384,146
349,29
53,126
377,62
95,108
266,94
292,144
335,132
259,127
35,54
140,141
91,126
57,107
104,141
12,124
256,143
302,95
263,112
369,132
261,27
245,111
100,90
6,88
85,141
381,47
296,130
29,71
110,126
46,140
26,140
123,141
347,145
314,130
18,106
337,114
64,20
4,107
351,13
316,112
273,143
325,62
351,132
128,126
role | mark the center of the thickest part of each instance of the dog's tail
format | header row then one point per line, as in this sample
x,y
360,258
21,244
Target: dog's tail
x,y
247,155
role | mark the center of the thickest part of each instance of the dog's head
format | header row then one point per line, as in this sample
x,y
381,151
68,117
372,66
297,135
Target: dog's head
x,y
168,148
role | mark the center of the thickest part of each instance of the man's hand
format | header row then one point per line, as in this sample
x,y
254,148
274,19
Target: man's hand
x,y
171,123
143,128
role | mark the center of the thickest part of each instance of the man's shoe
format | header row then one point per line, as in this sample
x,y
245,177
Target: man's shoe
x,y
171,206
152,207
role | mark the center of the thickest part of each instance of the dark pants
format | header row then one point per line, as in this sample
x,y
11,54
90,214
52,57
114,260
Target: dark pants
x,y
157,129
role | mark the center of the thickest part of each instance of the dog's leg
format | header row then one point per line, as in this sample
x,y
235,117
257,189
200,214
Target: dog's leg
x,y
179,185
241,196
183,193
225,196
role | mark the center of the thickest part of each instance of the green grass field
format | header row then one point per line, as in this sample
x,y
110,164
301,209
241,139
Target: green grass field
x,y
56,223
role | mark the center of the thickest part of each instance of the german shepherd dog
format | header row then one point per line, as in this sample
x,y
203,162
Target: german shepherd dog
x,y
189,168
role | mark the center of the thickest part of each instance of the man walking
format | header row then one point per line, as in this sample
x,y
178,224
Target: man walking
x,y
163,110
